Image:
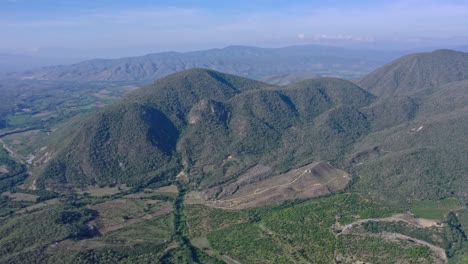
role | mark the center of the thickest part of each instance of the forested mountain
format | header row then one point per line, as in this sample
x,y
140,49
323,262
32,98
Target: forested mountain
x,y
196,119
417,71
245,61
213,127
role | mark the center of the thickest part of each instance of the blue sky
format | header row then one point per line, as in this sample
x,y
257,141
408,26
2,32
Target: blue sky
x,y
104,28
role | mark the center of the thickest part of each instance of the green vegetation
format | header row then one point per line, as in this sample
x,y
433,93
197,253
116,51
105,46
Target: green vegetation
x,y
43,104
154,230
13,172
187,253
376,250
35,230
416,71
434,235
284,233
435,209
457,242
206,220
146,137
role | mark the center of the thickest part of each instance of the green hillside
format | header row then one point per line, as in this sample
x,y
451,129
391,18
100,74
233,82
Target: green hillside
x,y
213,127
417,71
194,120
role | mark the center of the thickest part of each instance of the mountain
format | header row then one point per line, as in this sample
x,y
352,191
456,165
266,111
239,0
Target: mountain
x,y
191,122
417,71
213,128
245,61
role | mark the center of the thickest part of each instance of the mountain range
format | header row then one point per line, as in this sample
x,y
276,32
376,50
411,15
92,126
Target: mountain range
x,y
212,127
252,62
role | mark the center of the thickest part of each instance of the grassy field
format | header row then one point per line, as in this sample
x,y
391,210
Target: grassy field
x,y
104,191
119,213
435,209
156,230
21,197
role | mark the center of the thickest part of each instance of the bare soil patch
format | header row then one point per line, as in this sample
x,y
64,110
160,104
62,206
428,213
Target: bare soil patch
x,y
313,180
42,114
168,189
3,169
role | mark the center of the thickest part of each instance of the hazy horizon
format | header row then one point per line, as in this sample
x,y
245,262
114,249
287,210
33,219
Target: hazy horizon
x,y
110,29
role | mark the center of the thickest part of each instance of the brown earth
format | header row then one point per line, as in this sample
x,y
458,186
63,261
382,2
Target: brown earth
x,y
168,189
313,180
3,169
42,114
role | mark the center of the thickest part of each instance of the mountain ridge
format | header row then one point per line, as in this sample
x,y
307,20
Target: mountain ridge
x,y
201,111
417,71
252,62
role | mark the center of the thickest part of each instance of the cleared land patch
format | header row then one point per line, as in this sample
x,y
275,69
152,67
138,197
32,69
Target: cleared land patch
x,y
435,209
38,206
3,169
104,191
418,222
315,179
168,191
117,214
21,197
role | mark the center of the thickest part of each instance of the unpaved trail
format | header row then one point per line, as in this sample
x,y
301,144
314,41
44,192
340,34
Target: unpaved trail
x,y
11,152
439,252
418,222
229,259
